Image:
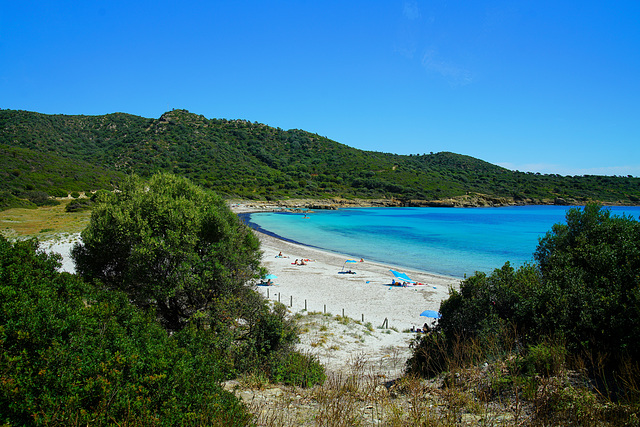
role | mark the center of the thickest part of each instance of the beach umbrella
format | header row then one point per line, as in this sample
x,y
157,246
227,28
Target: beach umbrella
x,y
270,277
349,261
401,276
430,313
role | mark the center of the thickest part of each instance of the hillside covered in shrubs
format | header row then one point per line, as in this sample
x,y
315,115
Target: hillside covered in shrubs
x,y
58,154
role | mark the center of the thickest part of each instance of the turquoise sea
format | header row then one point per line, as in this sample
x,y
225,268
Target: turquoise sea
x,y
449,241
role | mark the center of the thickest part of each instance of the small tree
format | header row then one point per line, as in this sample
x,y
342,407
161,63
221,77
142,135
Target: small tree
x,y
170,245
590,270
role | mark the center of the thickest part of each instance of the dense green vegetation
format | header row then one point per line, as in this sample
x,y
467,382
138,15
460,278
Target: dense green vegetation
x,y
238,158
578,305
170,245
160,313
72,355
27,174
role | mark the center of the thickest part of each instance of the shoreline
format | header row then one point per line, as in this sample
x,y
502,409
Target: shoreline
x,y
353,316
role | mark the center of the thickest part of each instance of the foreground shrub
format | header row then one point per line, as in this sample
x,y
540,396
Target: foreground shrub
x,y
73,356
431,355
590,283
170,245
544,359
577,309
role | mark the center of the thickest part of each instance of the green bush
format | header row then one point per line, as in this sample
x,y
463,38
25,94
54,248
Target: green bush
x,y
74,356
179,252
78,205
170,245
9,201
297,369
57,192
100,195
430,355
590,281
40,198
75,194
584,289
544,359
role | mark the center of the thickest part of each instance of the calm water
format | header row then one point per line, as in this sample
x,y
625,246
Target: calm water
x,y
449,241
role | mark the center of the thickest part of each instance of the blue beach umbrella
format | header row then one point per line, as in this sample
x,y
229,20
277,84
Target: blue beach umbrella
x,y
430,313
270,277
401,276
349,261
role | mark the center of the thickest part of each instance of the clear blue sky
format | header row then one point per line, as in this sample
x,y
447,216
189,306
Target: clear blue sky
x,y
542,86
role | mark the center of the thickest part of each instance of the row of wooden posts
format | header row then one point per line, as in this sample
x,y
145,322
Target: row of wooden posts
x,y
385,323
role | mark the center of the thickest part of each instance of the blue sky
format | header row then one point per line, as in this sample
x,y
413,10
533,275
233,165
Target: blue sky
x,y
541,86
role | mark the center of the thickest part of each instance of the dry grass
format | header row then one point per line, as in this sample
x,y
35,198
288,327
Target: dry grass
x,y
476,391
360,397
44,222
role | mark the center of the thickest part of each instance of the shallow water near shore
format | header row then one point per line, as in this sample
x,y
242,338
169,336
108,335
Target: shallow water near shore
x,y
448,241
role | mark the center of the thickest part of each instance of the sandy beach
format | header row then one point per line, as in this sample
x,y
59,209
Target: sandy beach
x,y
324,281
367,297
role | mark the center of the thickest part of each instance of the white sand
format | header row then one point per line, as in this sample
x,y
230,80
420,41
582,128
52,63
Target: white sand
x,y
323,286
62,245
322,282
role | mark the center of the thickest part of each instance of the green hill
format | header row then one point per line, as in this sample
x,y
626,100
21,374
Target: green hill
x,y
239,158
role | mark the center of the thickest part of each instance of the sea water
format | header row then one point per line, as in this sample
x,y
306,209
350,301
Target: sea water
x,y
449,241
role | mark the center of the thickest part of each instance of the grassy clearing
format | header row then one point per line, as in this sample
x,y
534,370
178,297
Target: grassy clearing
x,y
44,222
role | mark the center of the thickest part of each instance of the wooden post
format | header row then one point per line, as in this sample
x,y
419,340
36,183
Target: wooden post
x,y
325,309
278,296
267,293
362,317
291,301
343,312
305,305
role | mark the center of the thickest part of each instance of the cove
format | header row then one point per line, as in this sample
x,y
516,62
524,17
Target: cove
x,y
449,241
